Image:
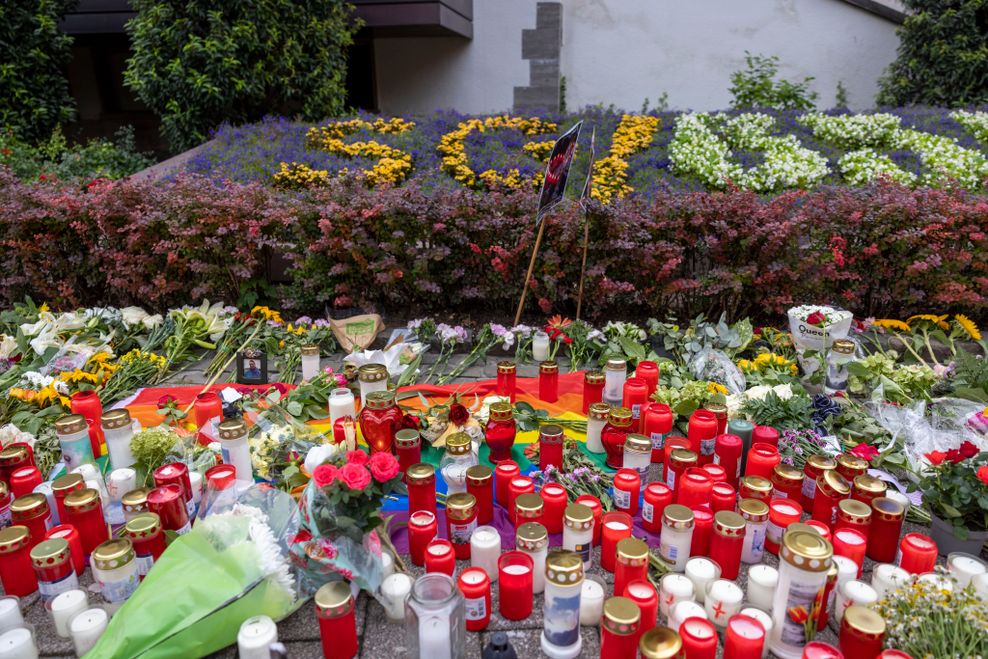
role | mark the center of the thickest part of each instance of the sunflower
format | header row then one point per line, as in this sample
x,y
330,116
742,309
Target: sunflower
x,y
891,323
940,321
968,326
715,388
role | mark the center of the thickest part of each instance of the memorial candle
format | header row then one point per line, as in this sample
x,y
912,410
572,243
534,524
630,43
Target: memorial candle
x,y
866,488
23,480
755,514
853,593
66,606
765,435
850,543
744,638
680,612
699,638
480,481
18,644
703,530
422,529
679,461
813,468
515,584
53,568
86,628
440,557
643,594
693,488
631,565
883,533
727,542
593,503
851,466
16,572
804,561
166,502
476,588
673,442
660,643
674,588
615,373
32,512
593,389
723,497
702,431
551,447
853,514
534,541
71,535
408,447
578,528
637,455
146,535
461,520
597,417
421,481
591,602
657,496
701,571
618,629
657,425
549,381
723,600
831,488
781,513
727,454
649,372
10,613
964,567
862,633
614,434
560,637
762,459
554,501
507,379
519,485
485,549
635,398
503,473
787,482
755,487
336,611
394,590
677,535
616,527
917,553
886,577
762,581
627,487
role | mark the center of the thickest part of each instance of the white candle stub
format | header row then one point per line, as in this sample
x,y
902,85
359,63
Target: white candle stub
x,y
66,606
591,602
394,590
723,601
10,614
256,636
18,644
680,611
965,567
86,628
701,571
762,581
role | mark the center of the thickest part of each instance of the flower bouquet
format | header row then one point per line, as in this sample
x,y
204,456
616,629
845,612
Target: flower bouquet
x,y
340,517
955,490
814,327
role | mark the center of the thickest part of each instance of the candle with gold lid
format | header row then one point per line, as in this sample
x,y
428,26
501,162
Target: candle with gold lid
x,y
52,564
862,632
74,439
118,431
677,535
578,531
507,377
851,466
615,374
335,610
310,362
787,482
421,481
755,514
831,487
16,571
372,378
805,560
597,416
115,570
853,514
813,468
867,488
533,539
461,520
756,487
614,435
148,538
134,503
456,460
631,563
480,480
234,448
593,389
61,486
618,628
32,511
500,431
660,643
563,581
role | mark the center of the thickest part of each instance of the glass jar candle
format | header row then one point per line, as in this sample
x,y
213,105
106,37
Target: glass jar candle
x,y
627,487
597,417
459,457
485,548
515,584
657,496
549,381
166,502
820,650
717,473
61,487
862,633
719,410
32,511
703,529
762,582
744,637
964,568
554,500
408,447
614,435
70,534
310,362
685,610
673,442
540,346
533,540
480,484
677,535
372,378
886,525
341,404
727,542
635,396
853,514
551,447
615,374
724,599
660,643
755,514
234,448
145,534
578,531
72,431
16,571
819,528
519,485
727,453
423,528
680,460
476,588
917,553
134,503
592,601
593,389
762,459
631,564
528,508
842,571
813,468
649,372
435,618
674,588
440,557
206,407
421,481
336,613
619,629
698,634
461,520
656,425
637,455
88,404
118,430
831,488
850,543
379,420
52,563
765,435
693,488
504,472
851,466
593,503
787,482
853,593
23,480
115,571
500,431
756,487
702,434
886,578
805,559
701,571
781,513
722,497
13,457
507,380
615,526
643,594
866,488
176,473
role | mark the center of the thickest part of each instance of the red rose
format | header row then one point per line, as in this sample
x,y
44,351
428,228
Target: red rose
x,y
816,318
383,466
968,450
936,457
458,414
983,474
954,455
355,476
865,452
165,401
409,421
324,475
357,457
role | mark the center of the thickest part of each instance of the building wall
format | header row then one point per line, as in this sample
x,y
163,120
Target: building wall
x,y
623,51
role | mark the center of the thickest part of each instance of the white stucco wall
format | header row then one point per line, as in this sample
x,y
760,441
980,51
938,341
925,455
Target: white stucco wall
x,y
622,51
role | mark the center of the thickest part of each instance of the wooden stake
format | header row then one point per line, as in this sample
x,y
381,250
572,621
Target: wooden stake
x,y
531,267
583,266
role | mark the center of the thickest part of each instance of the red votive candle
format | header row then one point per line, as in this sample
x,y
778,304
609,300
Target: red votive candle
x,y
787,482
17,454
699,638
593,389
421,481
422,529
167,503
762,459
476,588
862,633
207,406
884,530
87,403
853,514
627,487
503,473
756,487
408,448
615,433
480,483
821,650
831,488
635,399
176,473
703,528
643,594
500,431
649,372
679,461
765,435
722,497
31,510
917,553
507,378
656,426
616,527
744,637
717,473
822,529
867,488
336,612
727,453
549,381
813,468
52,563
631,564
440,557
781,513
16,571
23,480
720,411
461,520
519,485
657,496
619,629
593,503
61,486
693,489
515,583
727,542
148,539
672,443
528,509
852,543
220,477
702,433
851,466
554,501
551,447
71,535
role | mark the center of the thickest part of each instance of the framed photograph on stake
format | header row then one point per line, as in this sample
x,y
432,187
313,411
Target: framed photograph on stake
x,y
252,367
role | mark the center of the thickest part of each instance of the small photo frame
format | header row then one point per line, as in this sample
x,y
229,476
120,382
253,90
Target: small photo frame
x,y
252,367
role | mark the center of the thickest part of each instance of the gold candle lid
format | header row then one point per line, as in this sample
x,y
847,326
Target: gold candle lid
x,y
82,500
563,568
13,455
786,473
309,350
407,438
617,364
551,434
501,411
115,419
660,643
594,377
71,423
619,417
334,600
232,429
728,523
67,483
864,622
143,526
479,475
380,400
873,486
420,471
807,551
843,346
716,407
456,444
29,505
854,511
832,484
506,366
887,510
135,499
548,366
47,553
621,616
113,554
599,411
683,457
532,537
372,373
578,517
821,462
677,516
638,443
852,462
632,551
757,484
753,510
529,504
14,538
801,527
460,505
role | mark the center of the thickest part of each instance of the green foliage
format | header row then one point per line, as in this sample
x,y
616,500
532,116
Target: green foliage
x,y
756,87
840,97
56,158
970,377
793,413
200,63
955,494
34,93
943,55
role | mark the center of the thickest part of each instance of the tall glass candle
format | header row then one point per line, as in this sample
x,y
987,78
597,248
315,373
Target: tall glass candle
x,y
657,496
578,527
702,433
551,447
699,638
115,571
803,566
727,542
421,481
440,557
549,381
635,397
766,622
743,429
744,638
887,516
480,485
631,564
679,461
135,502
380,419
865,488
532,539
673,442
32,511
619,629
831,488
16,571
657,424
561,609
118,430
701,571
71,536
373,378
862,633
762,582
677,535
23,480
615,373
504,472
540,346
723,497
851,466
643,594
507,380
787,482
73,432
614,434
674,588
917,553
515,582
593,389
597,417
703,530
638,455
717,473
719,410
762,459
408,448
176,473
593,503
616,526
53,568
234,448
167,503
435,618
519,485
554,500
723,599
813,468
627,486
485,548
500,432
310,362
781,513
693,488
207,406
649,372
341,404
422,529
336,612
853,514
148,538
461,520
476,588
755,514
727,453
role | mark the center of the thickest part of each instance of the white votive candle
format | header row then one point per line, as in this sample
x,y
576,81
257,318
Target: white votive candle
x,y
763,618
387,565
120,482
86,628
853,593
485,549
680,611
964,567
10,614
540,346
341,404
674,588
394,590
66,606
980,584
701,571
762,581
591,602
887,577
434,638
256,636
723,600
939,581
18,644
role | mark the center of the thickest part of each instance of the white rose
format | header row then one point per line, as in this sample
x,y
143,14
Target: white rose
x,y
133,316
317,455
150,322
8,345
758,392
783,391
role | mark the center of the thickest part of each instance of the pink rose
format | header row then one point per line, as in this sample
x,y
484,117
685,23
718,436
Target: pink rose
x,y
383,466
355,476
357,457
324,475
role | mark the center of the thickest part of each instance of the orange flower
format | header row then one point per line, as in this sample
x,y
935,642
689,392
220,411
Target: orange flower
x,y
558,322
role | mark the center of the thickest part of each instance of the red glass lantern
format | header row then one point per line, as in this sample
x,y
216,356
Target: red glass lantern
x,y
756,487
421,481
614,435
851,466
781,513
649,372
515,584
379,420
702,433
727,542
52,565
87,403
408,447
694,488
554,500
727,453
148,539
461,520
551,447
813,468
703,527
762,459
744,638
336,612
631,564
207,406
635,399
672,443
787,482
699,638
167,503
867,488
657,425
657,496
519,485
440,557
13,457
831,488
31,511
593,389
917,553
619,629
643,594
476,588
504,472
765,435
480,483
679,461
16,572
850,543
500,432
717,473
883,532
616,526
720,411
821,650
176,473
507,380
862,633
549,381
627,487
23,480
61,487
853,514
722,497
423,527
71,536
